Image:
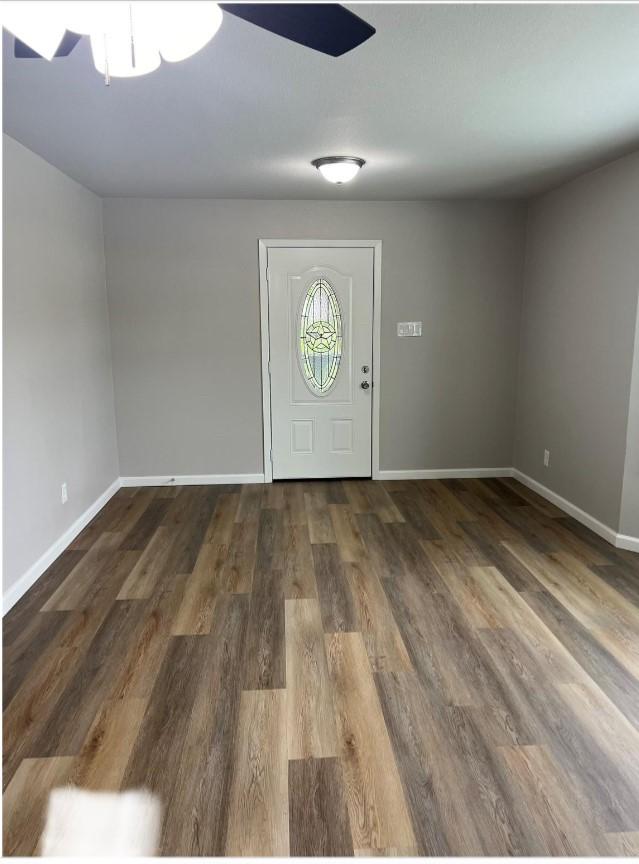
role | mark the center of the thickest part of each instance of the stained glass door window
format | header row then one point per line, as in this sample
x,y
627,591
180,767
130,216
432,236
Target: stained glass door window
x,y
320,340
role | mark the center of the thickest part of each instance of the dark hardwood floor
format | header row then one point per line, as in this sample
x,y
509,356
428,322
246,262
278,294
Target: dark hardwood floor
x,y
334,668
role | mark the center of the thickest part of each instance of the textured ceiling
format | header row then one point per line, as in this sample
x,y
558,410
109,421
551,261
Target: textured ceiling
x,y
444,101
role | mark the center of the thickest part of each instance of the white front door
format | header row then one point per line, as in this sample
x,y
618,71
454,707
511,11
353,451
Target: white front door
x,y
320,310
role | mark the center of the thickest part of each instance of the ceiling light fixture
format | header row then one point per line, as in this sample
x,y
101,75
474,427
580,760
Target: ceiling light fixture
x,y
338,169
37,24
127,39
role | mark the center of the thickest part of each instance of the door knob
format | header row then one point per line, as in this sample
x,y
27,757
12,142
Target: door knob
x,y
364,385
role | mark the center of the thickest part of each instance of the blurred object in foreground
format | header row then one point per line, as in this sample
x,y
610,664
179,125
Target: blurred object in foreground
x,y
109,824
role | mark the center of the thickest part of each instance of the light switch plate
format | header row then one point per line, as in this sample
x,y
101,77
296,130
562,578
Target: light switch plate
x,y
409,328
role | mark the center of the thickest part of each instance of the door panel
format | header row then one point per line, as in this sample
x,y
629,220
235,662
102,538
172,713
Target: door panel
x,y
320,337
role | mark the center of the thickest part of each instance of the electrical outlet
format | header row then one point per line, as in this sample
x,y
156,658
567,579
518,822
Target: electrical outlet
x,y
64,495
546,458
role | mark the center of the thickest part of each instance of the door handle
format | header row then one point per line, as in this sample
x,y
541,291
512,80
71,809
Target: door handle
x,y
364,385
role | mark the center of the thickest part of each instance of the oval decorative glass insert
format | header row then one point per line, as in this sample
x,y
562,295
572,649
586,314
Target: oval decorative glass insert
x,y
320,343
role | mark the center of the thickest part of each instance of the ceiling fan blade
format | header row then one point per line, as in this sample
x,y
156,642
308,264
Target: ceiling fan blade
x,y
329,28
69,41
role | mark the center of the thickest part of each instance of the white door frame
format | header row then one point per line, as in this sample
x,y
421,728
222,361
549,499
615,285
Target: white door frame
x,y
263,247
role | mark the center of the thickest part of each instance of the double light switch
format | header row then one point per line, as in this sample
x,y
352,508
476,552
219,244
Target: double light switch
x,y
409,328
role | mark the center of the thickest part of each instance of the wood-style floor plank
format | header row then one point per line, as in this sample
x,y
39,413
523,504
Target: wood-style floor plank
x,y
397,668
133,510
31,707
197,821
320,525
374,794
410,505
258,804
204,585
384,644
250,503
105,520
294,512
557,823
78,703
20,624
595,778
347,535
298,569
82,578
500,606
336,600
624,844
379,545
240,559
381,503
21,656
608,614
445,651
311,722
156,756
187,519
107,747
593,657
391,852
137,675
220,528
25,800
500,557
420,754
144,577
265,657
144,528
318,818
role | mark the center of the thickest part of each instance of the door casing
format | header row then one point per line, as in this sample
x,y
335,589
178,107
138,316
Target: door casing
x,y
263,247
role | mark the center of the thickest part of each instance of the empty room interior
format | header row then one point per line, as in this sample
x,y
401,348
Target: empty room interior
x,y
320,429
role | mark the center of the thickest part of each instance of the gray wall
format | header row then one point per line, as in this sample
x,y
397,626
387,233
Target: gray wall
x,y
183,294
578,329
58,386
629,522
183,297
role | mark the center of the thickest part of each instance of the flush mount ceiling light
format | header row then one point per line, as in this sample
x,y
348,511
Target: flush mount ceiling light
x,y
338,169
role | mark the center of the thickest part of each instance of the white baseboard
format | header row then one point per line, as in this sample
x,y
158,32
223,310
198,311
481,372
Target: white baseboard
x,y
191,479
443,473
626,541
621,541
15,592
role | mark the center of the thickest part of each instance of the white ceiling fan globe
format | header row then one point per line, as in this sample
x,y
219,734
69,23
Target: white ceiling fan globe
x,y
38,24
127,39
181,28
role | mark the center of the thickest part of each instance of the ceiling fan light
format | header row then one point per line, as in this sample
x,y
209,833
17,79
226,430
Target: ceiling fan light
x,y
90,17
112,55
174,30
338,169
37,24
181,29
